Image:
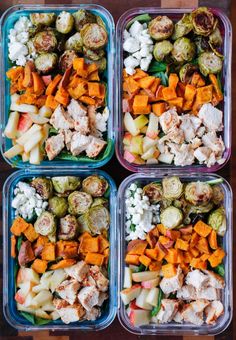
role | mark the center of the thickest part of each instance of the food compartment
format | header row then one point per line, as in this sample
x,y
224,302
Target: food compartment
x,y
168,247
167,92
56,250
58,87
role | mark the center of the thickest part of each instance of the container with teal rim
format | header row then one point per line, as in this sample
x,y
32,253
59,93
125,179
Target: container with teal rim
x,y
8,20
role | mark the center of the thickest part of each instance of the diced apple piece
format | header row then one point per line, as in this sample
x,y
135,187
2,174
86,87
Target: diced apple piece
x,y
55,315
129,157
56,279
25,108
42,314
166,158
41,298
25,157
130,125
139,317
130,294
37,119
25,122
141,299
150,283
30,144
128,278
36,155
24,290
27,274
29,134
152,130
152,296
45,279
144,130
48,307
127,138
29,301
138,160
38,288
136,145
149,153
148,143
133,305
22,308
45,130
140,121
45,111
14,151
133,268
152,161
145,276
11,127
14,98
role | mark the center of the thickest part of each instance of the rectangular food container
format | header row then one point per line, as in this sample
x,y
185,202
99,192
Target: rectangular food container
x,y
9,306
174,14
8,19
227,298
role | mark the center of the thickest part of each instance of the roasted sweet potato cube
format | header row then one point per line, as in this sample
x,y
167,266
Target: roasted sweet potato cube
x,y
19,226
48,252
94,258
89,245
103,243
30,233
155,266
132,259
212,239
172,256
144,260
63,264
203,246
161,229
152,253
169,270
181,244
202,229
136,247
39,266
194,240
197,263
194,251
217,257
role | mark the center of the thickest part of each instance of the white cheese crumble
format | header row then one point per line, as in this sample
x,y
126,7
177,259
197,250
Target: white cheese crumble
x,y
27,202
138,43
141,216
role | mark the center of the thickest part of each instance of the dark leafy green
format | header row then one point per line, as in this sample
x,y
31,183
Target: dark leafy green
x,y
215,181
163,76
107,192
157,66
132,227
220,269
19,242
34,320
156,309
141,18
141,268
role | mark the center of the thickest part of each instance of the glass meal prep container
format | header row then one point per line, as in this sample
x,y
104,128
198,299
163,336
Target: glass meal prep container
x,y
8,20
174,14
9,304
227,295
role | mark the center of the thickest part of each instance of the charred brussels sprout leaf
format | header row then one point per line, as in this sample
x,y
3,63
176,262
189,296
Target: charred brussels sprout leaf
x,y
65,184
79,202
83,17
42,19
172,187
68,228
100,201
43,186
183,27
162,49
202,44
45,224
94,36
198,193
64,22
209,62
203,21
171,217
183,50
95,186
160,28
153,191
58,206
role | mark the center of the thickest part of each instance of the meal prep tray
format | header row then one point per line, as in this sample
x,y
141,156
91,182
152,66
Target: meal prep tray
x,y
9,264
7,22
174,14
227,298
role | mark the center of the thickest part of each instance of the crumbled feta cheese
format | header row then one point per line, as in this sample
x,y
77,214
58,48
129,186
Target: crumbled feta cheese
x,y
131,45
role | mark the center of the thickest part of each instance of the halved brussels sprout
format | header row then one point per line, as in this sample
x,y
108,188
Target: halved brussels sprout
x,y
202,44
183,50
79,202
74,43
201,209
101,63
68,228
153,191
93,55
171,217
182,27
165,203
83,224
186,72
65,184
172,187
94,185
217,220
94,36
203,21
100,201
45,224
66,59
198,193
83,17
43,186
98,219
46,62
218,194
45,41
58,206
162,49
64,22
209,62
215,38
42,19
161,27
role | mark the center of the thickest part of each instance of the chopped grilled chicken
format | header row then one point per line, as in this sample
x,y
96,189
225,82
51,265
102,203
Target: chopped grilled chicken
x,y
68,290
76,110
209,293
169,119
60,119
169,308
101,281
187,292
89,281
82,125
101,298
174,135
78,271
70,313
79,143
178,317
54,145
211,117
95,147
189,315
189,125
93,314
213,311
67,136
215,280
172,284
199,305
215,143
202,154
88,297
197,279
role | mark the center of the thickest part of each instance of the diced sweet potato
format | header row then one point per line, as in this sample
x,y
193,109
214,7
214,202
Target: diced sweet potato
x,y
152,253
168,93
159,108
48,252
132,259
103,243
186,238
155,85
172,234
165,241
155,266
194,240
161,229
185,268
203,246
178,102
136,247
172,256
180,256
19,226
173,80
168,270
205,257
13,246
151,239
181,244
89,245
138,74
146,82
212,239
94,258
145,260
187,256
39,266
30,233
63,264
67,249
202,229
140,104
217,257
197,263
190,92
132,85
39,245
194,251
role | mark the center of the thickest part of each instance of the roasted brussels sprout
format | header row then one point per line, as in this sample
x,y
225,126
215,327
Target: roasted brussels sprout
x,y
160,28
215,38
94,185
58,206
171,217
203,21
209,62
202,44
198,193
162,49
218,194
182,27
42,19
100,201
46,62
165,203
45,41
98,219
66,59
101,63
94,36
79,202
183,50
74,43
100,21
45,224
201,209
172,187
43,186
68,228
64,22
217,220
186,72
65,184
30,45
93,55
153,191
83,224
83,17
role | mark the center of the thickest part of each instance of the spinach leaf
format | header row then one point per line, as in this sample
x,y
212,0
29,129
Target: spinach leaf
x,y
215,181
141,18
163,76
41,321
28,316
220,269
107,192
157,66
53,131
141,268
132,227
219,79
19,242
156,309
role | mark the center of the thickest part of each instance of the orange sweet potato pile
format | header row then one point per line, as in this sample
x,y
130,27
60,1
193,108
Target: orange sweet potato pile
x,y
94,249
